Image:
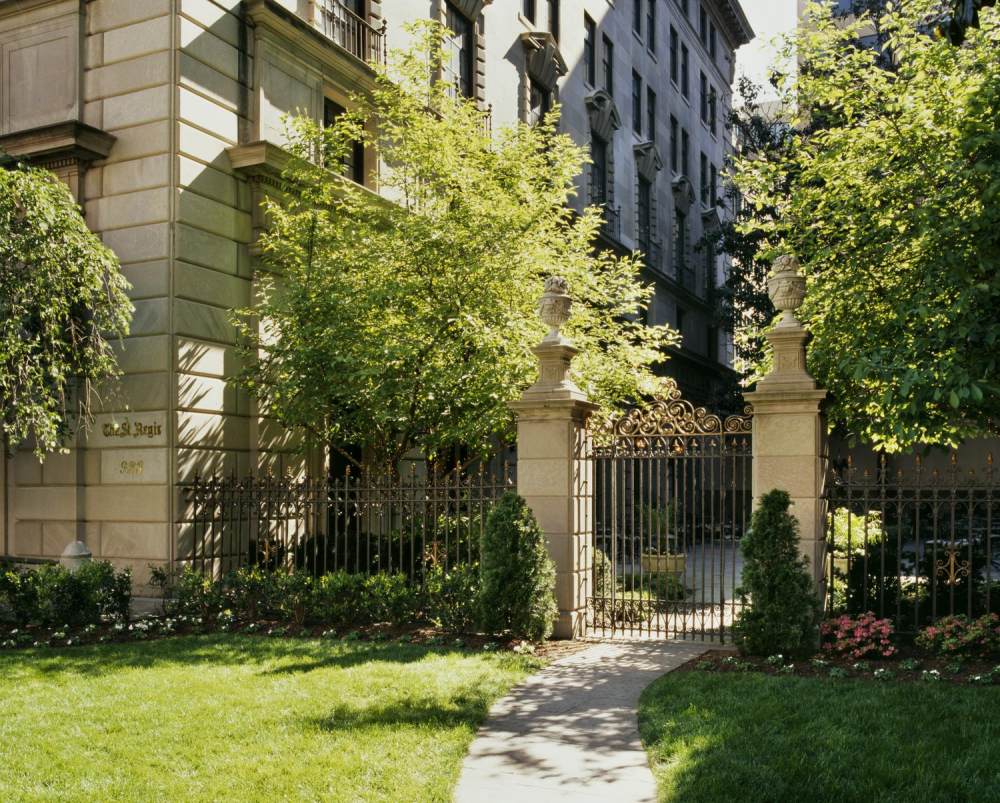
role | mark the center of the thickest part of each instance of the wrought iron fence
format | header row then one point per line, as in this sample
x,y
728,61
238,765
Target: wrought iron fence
x,y
913,542
404,523
351,32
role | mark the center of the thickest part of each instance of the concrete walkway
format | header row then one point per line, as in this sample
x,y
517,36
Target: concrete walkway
x,y
570,731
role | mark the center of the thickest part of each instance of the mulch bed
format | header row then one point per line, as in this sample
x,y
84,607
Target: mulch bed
x,y
155,627
907,666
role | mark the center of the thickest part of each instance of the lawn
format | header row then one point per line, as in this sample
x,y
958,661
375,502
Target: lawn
x,y
753,737
243,718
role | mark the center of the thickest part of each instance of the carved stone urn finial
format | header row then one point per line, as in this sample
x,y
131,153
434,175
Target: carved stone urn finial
x,y
554,306
787,288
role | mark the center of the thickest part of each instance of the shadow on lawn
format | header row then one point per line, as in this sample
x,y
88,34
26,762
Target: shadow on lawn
x,y
466,706
306,655
763,738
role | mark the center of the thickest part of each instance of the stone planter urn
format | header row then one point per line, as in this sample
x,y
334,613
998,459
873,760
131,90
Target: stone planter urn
x,y
656,563
787,288
554,307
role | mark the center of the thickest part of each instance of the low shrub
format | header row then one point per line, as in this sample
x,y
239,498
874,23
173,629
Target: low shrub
x,y
252,592
451,597
865,635
188,593
53,596
518,596
389,598
293,596
18,597
110,590
780,605
338,598
604,574
959,635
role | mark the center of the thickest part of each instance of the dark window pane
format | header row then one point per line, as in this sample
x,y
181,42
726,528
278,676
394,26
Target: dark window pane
x,y
684,70
354,160
674,57
651,24
704,180
675,164
528,8
461,51
645,212
636,103
598,170
541,103
554,19
589,56
609,65
650,114
637,16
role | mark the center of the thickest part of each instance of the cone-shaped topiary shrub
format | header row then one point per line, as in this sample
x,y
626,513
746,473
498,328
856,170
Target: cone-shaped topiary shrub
x,y
780,607
518,591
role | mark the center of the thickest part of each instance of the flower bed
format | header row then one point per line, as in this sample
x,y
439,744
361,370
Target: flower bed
x,y
905,666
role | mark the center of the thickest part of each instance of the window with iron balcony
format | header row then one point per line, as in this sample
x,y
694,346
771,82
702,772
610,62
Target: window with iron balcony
x,y
460,52
345,22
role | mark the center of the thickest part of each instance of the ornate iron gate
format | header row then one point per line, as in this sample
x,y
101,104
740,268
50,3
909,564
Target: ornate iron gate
x,y
672,497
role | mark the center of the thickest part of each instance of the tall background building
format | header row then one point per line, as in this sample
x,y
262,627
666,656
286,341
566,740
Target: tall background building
x,y
164,117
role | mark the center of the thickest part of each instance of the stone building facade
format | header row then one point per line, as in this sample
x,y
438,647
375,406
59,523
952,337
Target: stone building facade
x,y
164,117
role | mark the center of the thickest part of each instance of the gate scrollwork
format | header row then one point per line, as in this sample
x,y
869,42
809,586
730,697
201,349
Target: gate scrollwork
x,y
670,415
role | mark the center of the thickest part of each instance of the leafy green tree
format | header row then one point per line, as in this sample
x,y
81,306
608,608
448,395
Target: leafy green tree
x,y
891,200
62,301
745,308
402,323
518,577
780,606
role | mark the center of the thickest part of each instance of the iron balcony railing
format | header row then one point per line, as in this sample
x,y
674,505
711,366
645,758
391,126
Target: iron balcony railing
x,y
351,32
688,278
653,254
611,221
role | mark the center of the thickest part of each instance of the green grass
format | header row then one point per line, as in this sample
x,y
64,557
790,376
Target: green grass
x,y
755,737
243,718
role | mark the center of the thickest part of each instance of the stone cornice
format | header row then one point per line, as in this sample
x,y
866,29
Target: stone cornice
x,y
11,7
735,19
710,219
603,114
683,192
265,162
471,8
261,158
544,62
71,140
647,160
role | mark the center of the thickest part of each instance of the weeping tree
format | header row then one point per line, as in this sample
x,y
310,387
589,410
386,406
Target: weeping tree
x,y
889,193
63,301
408,321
